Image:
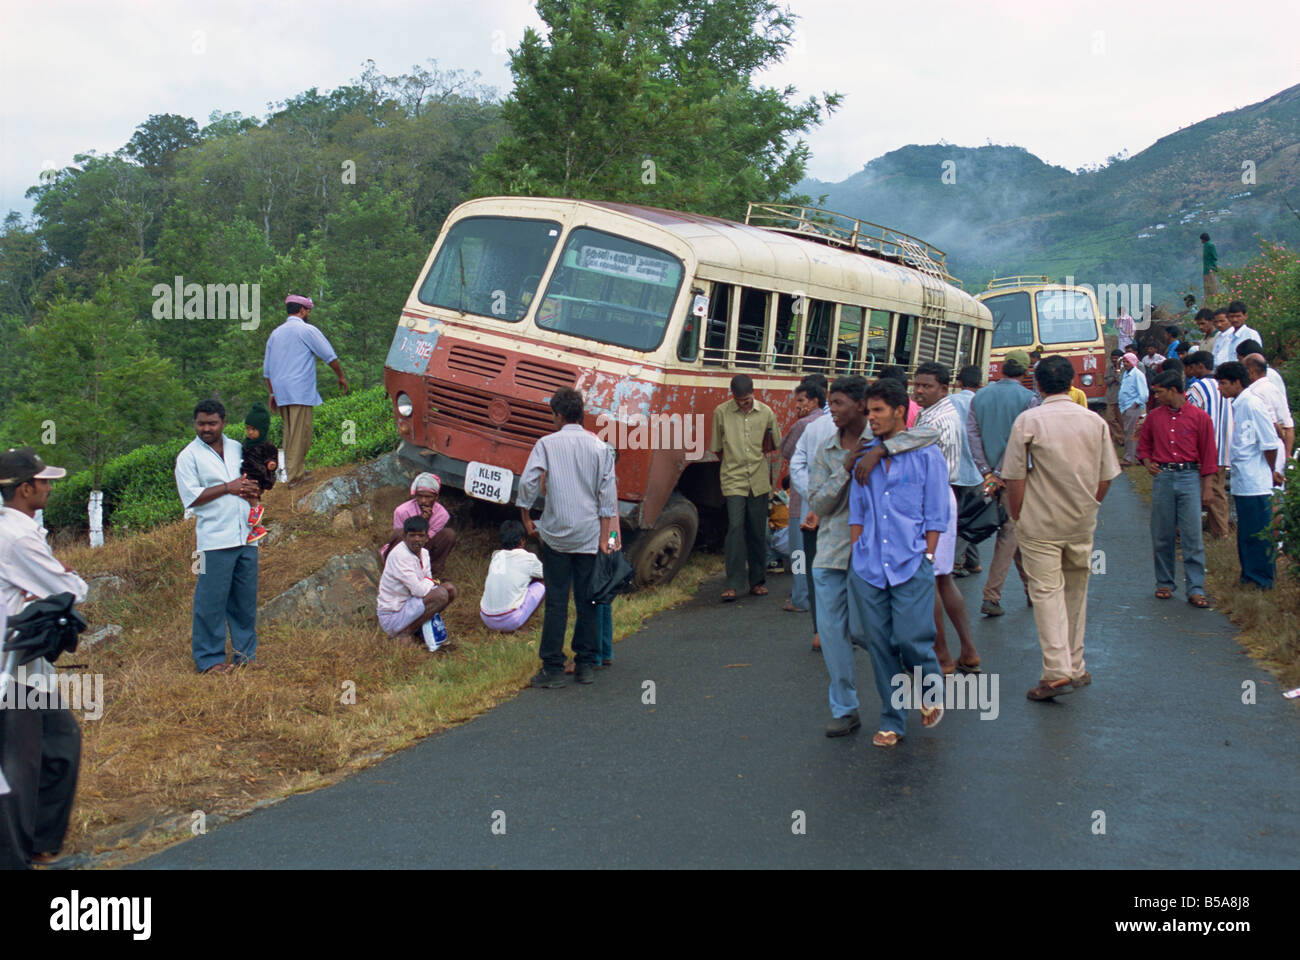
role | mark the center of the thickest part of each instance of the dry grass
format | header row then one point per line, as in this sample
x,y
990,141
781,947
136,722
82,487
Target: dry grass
x,y
171,742
1269,620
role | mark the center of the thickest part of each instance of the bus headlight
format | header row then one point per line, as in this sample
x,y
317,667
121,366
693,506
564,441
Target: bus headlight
x,y
404,405
1087,379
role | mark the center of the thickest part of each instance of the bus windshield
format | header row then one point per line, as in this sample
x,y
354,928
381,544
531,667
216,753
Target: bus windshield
x,y
1013,326
611,289
491,266
1065,316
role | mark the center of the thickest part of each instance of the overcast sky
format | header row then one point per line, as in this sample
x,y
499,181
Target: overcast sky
x,y
1072,82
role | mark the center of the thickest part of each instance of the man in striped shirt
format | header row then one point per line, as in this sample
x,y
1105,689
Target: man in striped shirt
x,y
572,528
930,388
1203,393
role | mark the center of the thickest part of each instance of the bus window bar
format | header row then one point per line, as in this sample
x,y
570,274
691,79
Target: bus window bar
x,y
846,231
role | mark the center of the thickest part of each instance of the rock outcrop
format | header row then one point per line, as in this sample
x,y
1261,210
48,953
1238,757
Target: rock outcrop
x,y
341,591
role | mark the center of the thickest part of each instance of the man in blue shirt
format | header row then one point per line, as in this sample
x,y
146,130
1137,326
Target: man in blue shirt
x,y
895,519
1172,341
289,367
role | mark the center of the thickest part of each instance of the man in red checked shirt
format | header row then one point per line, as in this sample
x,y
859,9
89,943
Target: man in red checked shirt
x,y
1177,446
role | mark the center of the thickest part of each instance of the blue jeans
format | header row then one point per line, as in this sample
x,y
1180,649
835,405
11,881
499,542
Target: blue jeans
x,y
1254,539
840,630
1176,512
899,624
605,632
226,595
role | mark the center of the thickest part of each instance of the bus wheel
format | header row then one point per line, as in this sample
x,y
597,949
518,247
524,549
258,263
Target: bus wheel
x,y
658,553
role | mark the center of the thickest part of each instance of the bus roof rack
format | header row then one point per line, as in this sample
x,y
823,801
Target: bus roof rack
x,y
850,232
1020,281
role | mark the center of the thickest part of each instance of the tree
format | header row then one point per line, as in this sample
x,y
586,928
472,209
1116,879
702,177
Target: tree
x,y
653,101
96,388
157,140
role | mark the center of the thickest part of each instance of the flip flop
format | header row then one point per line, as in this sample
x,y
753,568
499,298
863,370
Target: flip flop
x,y
759,590
1199,600
885,738
968,667
728,596
1164,593
931,717
789,607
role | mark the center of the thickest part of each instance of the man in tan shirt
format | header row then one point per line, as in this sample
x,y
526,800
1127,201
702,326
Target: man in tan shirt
x,y
1058,466
744,430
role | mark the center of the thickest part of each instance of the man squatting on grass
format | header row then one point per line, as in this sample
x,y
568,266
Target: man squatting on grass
x,y
408,594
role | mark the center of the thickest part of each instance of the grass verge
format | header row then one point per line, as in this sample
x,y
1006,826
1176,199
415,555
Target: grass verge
x,y
171,744
1269,620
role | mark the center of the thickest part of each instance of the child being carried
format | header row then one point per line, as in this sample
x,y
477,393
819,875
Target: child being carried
x,y
261,461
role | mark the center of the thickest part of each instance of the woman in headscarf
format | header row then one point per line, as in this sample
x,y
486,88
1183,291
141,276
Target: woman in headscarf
x,y
424,503
1132,404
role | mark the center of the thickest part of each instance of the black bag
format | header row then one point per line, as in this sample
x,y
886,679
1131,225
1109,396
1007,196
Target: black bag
x,y
978,519
45,628
611,576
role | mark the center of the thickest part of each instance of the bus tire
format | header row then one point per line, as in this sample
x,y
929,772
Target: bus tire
x,y
658,553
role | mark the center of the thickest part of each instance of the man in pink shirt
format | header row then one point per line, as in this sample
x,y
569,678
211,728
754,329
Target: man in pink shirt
x,y
424,503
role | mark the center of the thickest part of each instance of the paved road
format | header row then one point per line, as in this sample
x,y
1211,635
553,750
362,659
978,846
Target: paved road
x,y
712,774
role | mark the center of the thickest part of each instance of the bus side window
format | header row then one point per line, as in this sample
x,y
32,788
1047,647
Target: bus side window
x,y
715,326
816,348
905,340
877,352
849,348
786,341
752,326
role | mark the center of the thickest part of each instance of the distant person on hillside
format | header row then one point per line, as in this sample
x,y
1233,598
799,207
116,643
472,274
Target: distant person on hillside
x,y
260,463
1209,267
409,596
513,589
425,489
289,366
209,482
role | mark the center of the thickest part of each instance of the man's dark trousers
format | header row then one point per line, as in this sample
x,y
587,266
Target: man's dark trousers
x,y
810,554
746,538
559,572
1254,542
225,594
40,750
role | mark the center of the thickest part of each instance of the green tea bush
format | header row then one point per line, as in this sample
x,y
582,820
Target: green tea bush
x,y
140,487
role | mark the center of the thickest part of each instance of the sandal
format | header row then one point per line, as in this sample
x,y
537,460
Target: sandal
x,y
1199,600
789,607
931,717
728,596
220,669
885,738
817,643
1163,593
968,667
758,590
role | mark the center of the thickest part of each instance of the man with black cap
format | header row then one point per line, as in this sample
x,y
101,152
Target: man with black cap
x,y
289,367
40,749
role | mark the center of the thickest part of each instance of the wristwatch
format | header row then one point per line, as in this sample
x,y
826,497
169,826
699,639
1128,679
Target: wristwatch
x,y
930,557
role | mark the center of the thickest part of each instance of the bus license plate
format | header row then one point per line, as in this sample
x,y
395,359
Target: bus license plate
x,y
487,482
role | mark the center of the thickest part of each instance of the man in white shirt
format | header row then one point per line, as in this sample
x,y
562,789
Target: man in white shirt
x,y
408,595
1240,332
514,587
1253,457
40,747
209,483
1274,400
1223,349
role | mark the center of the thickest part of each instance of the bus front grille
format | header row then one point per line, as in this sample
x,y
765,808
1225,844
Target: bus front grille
x,y
484,363
543,376
453,405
